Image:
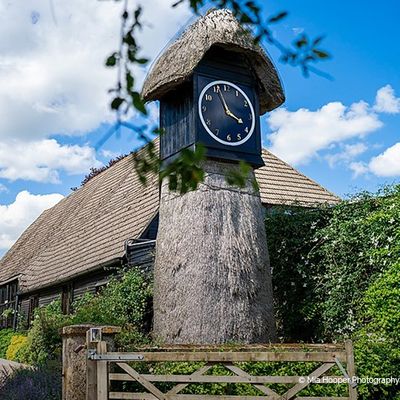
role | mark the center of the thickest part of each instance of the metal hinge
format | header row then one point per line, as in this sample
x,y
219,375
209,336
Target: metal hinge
x,y
92,355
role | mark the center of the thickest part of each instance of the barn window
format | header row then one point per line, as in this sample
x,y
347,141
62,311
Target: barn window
x,y
8,304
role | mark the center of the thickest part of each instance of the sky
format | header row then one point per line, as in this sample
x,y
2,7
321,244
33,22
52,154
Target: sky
x,y
342,132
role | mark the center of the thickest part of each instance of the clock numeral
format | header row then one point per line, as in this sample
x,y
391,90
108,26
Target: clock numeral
x,y
208,122
237,93
216,89
228,137
217,132
246,104
239,136
227,88
204,109
208,97
246,129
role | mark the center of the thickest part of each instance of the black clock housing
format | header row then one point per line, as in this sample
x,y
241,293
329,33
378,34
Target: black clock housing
x,y
224,136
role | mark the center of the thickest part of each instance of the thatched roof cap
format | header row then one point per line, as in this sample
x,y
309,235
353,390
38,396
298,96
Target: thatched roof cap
x,y
218,27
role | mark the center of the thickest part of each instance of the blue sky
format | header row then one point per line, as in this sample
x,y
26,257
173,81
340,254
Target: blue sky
x,y
343,133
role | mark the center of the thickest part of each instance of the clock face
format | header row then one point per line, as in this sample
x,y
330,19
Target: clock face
x,y
226,113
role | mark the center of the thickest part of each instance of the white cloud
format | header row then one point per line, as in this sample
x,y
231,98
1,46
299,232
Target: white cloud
x,y
17,216
387,163
52,74
358,168
41,160
348,153
299,135
386,101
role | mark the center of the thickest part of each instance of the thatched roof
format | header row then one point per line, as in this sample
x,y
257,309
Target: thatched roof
x,y
88,228
218,27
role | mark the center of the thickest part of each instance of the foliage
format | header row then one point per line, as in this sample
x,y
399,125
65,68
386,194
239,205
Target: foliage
x,y
124,302
31,384
44,340
336,274
377,340
5,339
18,342
361,240
291,233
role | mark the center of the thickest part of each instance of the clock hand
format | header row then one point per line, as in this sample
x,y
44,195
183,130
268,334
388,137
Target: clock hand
x,y
221,96
230,114
227,110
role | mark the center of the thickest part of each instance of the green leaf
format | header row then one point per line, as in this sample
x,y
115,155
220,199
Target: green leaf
x,y
129,81
301,42
320,53
138,103
111,60
116,103
142,60
245,19
278,17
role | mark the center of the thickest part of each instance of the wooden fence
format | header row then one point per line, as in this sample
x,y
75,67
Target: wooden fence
x,y
105,368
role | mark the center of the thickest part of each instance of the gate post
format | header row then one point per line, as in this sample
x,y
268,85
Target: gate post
x,y
74,362
77,370
106,343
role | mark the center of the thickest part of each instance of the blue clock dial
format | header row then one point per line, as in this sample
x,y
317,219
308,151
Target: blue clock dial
x,y
226,113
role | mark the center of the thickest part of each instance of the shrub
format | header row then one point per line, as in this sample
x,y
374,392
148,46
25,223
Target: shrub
x,y
32,385
291,235
5,339
44,339
125,302
16,344
336,274
377,341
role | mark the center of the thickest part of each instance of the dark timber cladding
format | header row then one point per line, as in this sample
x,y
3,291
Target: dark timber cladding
x,y
176,115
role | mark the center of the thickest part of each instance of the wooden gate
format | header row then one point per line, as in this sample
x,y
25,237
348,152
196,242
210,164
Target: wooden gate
x,y
106,368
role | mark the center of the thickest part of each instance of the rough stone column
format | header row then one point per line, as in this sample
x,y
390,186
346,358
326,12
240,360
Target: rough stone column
x,y
212,273
75,358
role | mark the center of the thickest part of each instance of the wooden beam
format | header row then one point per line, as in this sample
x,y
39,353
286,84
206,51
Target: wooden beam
x,y
144,382
235,356
102,378
291,393
243,374
149,396
351,369
198,378
199,372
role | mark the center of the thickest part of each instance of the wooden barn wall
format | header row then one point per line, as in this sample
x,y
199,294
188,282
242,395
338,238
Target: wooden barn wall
x,y
91,283
24,307
141,255
49,296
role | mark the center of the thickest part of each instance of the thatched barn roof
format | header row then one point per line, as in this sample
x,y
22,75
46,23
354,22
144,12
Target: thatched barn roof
x,y
218,27
88,228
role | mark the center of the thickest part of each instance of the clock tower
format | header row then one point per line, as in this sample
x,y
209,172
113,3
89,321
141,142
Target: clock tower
x,y
212,279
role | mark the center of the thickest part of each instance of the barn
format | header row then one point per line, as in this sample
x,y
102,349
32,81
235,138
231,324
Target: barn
x,y
112,220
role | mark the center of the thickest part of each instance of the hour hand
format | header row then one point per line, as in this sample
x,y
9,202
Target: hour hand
x,y
230,114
